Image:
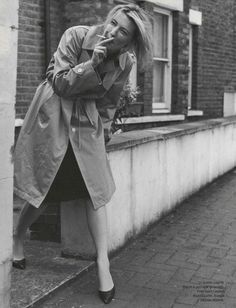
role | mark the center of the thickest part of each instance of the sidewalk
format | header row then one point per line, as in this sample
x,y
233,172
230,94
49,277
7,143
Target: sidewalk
x,y
187,259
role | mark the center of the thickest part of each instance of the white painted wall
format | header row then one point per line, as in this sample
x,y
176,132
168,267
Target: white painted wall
x,y
8,59
154,170
155,176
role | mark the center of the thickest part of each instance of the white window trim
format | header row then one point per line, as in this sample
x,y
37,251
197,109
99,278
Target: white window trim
x,y
190,67
176,5
168,74
195,18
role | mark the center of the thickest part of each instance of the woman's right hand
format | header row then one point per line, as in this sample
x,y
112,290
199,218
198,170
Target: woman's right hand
x,y
100,52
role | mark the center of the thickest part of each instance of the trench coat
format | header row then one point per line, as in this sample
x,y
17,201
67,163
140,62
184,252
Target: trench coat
x,y
73,104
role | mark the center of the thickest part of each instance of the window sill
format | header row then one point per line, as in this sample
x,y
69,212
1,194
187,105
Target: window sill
x,y
194,113
154,118
160,111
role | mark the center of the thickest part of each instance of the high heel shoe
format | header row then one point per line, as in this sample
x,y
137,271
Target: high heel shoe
x,y
20,264
107,296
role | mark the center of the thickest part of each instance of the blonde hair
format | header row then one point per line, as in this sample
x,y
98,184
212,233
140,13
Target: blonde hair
x,y
142,41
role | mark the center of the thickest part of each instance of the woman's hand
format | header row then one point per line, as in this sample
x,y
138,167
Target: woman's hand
x,y
100,52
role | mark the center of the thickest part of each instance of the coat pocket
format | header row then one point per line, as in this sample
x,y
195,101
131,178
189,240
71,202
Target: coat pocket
x,y
91,112
42,96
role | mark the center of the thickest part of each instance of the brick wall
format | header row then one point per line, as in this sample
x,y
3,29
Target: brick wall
x,y
58,22
31,48
216,55
86,12
30,52
145,78
180,63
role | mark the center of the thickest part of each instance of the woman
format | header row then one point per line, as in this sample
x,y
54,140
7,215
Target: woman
x,y
60,154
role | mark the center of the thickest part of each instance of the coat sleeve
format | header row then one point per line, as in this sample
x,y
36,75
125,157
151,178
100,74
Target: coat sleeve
x,y
69,77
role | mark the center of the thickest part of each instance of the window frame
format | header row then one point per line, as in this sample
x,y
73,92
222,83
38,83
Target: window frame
x,y
190,67
165,106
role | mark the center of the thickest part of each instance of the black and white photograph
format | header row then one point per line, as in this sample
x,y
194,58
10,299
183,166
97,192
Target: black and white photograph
x,y
118,153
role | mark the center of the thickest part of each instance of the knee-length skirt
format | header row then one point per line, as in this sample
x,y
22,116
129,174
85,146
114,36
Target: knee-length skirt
x,y
68,183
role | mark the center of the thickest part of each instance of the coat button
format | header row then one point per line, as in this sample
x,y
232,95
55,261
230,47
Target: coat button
x,y
80,70
73,129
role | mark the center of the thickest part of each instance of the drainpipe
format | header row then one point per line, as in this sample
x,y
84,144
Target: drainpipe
x,y
47,4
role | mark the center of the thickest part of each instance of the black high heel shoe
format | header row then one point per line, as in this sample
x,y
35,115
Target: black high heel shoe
x,y
20,264
107,296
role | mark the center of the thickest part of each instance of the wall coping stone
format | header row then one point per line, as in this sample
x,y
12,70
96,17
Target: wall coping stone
x,y
137,137
152,118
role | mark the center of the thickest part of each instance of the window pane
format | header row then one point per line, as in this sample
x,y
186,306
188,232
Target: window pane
x,y
158,82
160,35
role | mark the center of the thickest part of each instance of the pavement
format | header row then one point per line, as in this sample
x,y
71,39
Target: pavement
x,y
186,259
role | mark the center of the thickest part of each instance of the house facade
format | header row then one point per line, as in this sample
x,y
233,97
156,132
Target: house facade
x,y
193,69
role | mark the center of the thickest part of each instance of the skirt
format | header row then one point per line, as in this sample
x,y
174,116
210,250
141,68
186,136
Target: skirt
x,y
68,183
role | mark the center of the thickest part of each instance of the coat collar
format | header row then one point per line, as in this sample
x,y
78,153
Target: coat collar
x,y
91,40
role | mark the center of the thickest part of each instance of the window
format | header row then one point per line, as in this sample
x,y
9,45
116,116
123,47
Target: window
x,y
162,35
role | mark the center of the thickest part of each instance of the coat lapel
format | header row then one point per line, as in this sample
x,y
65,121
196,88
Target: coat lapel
x,y
110,77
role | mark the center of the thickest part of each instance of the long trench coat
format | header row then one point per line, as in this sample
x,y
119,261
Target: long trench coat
x,y
73,104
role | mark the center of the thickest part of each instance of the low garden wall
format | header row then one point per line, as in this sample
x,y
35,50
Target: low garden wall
x,y
154,170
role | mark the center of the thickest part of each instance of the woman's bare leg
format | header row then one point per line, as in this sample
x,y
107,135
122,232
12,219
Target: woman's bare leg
x,y
97,222
27,216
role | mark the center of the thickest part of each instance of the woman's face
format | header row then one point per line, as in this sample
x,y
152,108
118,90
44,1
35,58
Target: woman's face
x,y
122,29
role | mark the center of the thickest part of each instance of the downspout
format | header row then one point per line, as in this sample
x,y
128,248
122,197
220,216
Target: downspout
x,y
47,4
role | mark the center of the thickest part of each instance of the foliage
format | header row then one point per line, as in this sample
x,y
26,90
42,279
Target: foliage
x,y
128,97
